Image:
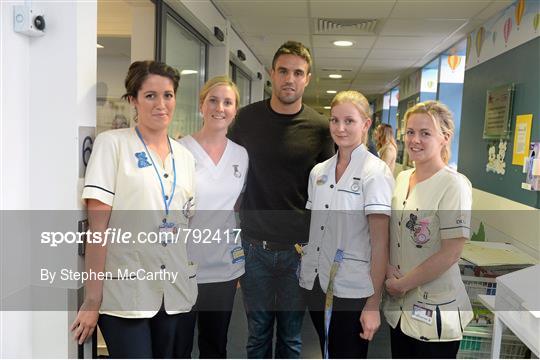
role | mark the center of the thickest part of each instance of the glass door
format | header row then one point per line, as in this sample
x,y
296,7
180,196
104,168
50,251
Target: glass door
x,y
185,49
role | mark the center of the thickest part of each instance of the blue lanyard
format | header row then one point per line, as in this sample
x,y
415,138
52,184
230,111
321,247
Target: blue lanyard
x,y
167,203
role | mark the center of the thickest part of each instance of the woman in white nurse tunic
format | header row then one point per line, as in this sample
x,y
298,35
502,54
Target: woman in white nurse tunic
x,y
428,307
343,264
214,244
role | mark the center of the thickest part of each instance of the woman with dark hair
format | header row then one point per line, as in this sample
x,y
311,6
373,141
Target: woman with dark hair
x,y
144,297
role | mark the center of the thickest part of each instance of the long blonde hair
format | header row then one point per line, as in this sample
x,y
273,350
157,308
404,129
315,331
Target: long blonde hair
x,y
442,119
359,101
385,134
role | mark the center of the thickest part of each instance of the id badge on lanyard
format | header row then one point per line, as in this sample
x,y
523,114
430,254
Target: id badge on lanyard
x,y
422,314
167,232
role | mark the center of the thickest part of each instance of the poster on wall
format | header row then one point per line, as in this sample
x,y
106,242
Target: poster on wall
x,y
498,109
531,167
522,138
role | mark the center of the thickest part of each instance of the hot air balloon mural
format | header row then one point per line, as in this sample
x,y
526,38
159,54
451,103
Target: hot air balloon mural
x,y
536,20
507,30
453,61
468,48
520,9
479,40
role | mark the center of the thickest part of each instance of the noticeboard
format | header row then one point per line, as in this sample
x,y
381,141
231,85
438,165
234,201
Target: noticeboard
x,y
498,112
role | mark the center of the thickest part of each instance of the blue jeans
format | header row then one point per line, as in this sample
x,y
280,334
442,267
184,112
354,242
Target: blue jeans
x,y
272,294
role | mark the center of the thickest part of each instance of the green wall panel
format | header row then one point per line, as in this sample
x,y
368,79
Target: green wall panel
x,y
520,66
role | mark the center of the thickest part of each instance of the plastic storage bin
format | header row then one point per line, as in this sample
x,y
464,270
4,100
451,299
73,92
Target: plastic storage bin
x,y
476,344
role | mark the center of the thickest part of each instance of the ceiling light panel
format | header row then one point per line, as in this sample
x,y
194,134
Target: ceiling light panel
x,y
343,43
359,42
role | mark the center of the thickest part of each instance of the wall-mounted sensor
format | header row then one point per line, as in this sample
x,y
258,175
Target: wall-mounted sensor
x,y
219,34
28,21
240,54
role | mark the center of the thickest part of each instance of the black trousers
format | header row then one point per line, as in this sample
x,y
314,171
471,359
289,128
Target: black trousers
x,y
344,339
406,347
162,336
213,310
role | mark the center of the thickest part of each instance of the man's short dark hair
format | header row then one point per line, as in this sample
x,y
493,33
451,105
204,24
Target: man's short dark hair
x,y
293,48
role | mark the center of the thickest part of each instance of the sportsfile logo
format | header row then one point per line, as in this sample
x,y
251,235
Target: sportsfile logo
x,y
119,236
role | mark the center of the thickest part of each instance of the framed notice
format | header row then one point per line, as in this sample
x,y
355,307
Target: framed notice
x,y
522,138
498,111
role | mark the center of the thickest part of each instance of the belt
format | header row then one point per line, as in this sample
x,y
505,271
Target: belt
x,y
269,245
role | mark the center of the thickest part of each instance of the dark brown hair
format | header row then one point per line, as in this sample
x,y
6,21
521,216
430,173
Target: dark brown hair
x,y
139,71
293,48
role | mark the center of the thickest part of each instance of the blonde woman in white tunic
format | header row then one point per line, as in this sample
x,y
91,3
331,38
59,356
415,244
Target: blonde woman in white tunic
x,y
220,173
428,307
344,263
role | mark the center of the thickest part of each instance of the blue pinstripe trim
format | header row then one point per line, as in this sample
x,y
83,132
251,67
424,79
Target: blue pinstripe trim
x,y
350,192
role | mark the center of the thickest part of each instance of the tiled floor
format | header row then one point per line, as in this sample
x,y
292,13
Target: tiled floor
x,y
379,348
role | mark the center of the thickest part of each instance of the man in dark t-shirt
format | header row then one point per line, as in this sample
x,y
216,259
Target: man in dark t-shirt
x,y
284,140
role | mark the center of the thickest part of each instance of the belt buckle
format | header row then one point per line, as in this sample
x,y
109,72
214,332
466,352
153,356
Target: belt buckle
x,y
264,245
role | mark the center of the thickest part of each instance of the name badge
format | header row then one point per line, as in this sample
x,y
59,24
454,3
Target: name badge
x,y
238,255
422,314
167,232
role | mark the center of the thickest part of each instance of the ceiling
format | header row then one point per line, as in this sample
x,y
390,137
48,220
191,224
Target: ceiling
x,y
392,38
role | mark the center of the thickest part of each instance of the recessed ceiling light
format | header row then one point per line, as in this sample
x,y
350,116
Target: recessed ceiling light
x,y
327,107
335,76
331,91
99,46
343,43
188,72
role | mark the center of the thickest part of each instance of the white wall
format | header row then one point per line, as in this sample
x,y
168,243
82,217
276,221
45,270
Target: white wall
x,y
15,326
142,34
47,92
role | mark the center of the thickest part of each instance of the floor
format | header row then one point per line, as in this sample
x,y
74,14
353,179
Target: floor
x,y
379,348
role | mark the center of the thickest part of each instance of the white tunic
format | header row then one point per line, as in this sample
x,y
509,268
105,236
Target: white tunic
x,y
120,174
217,188
339,221
437,208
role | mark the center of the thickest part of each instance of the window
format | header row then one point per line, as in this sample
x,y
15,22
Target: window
x,y
185,49
119,43
243,82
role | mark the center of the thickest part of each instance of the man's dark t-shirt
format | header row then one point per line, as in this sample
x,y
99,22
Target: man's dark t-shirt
x,y
282,151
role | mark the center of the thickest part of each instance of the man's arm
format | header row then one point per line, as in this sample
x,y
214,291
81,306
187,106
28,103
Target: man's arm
x,y
328,148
